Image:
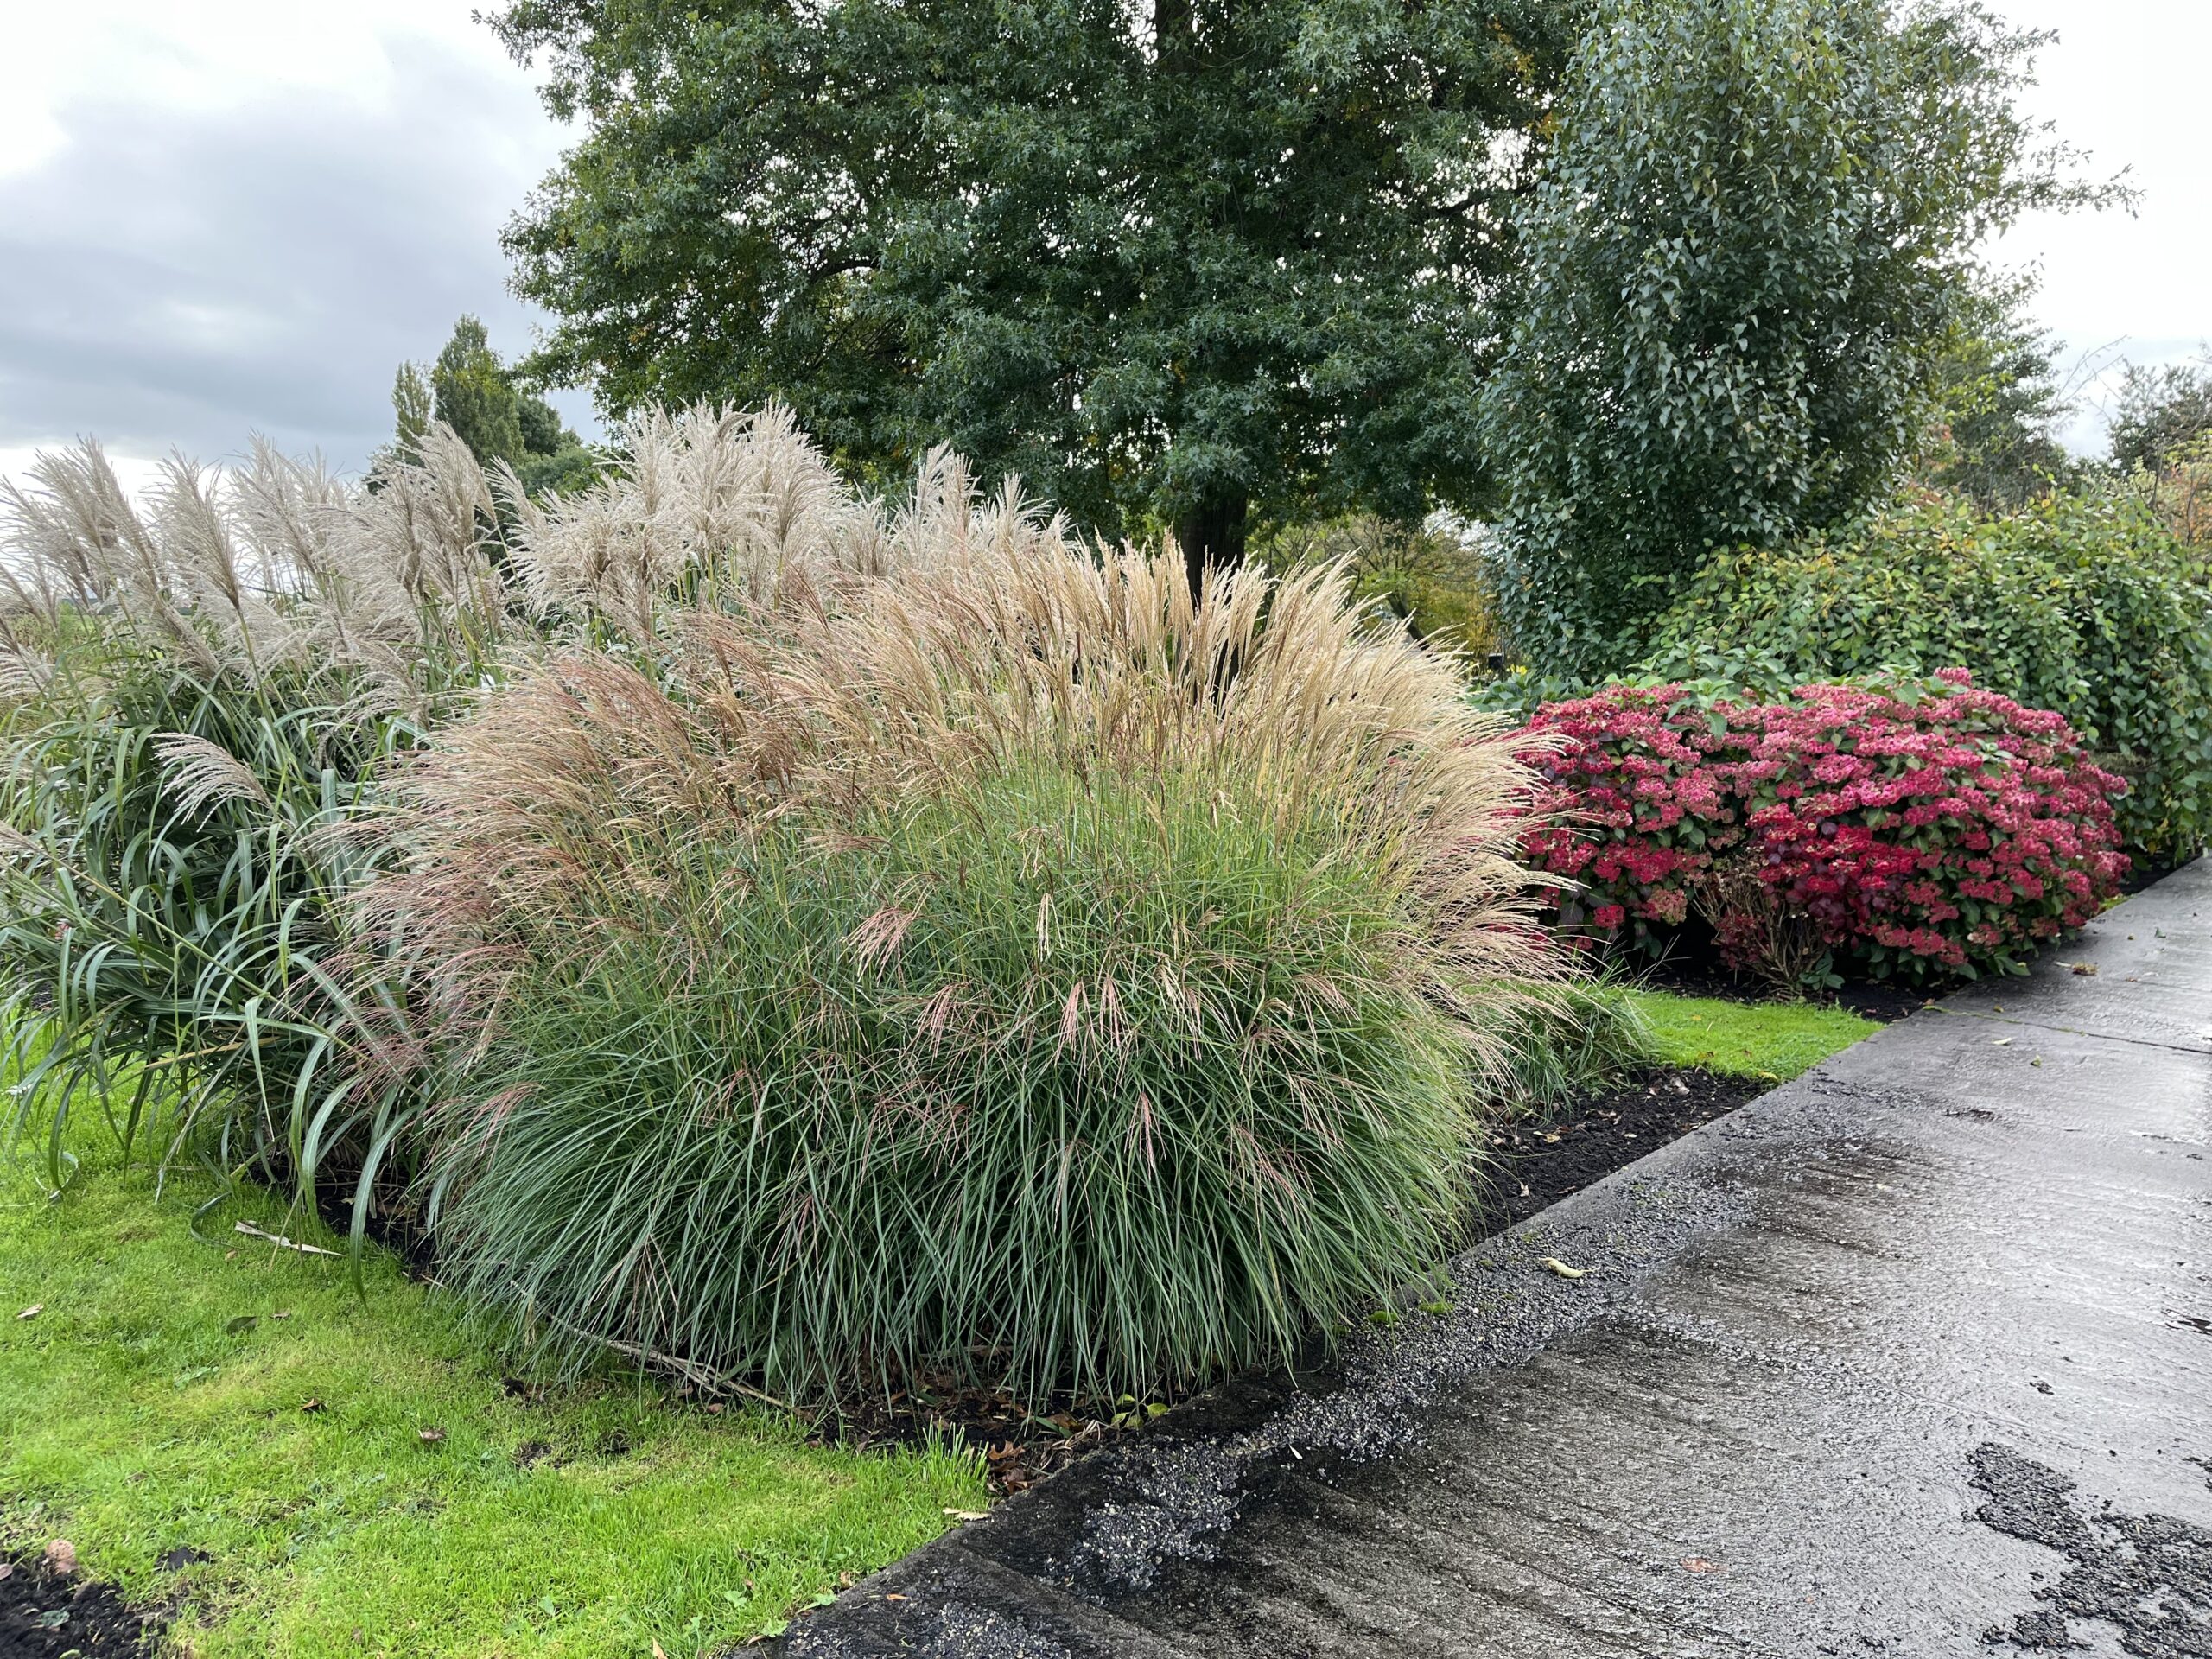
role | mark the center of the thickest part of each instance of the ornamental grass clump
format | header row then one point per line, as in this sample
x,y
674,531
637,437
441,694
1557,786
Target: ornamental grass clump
x,y
193,687
199,691
997,964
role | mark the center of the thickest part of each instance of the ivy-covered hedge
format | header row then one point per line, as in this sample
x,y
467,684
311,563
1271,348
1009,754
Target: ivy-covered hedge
x,y
2083,603
1917,831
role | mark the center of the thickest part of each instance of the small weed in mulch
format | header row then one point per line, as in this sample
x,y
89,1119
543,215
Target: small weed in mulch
x,y
46,1615
1585,1138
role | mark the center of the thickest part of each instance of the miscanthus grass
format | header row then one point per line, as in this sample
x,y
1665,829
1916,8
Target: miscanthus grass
x,y
761,927
1016,968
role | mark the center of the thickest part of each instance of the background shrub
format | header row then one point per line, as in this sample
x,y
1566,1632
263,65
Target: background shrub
x,y
1009,968
1919,831
1433,576
2083,603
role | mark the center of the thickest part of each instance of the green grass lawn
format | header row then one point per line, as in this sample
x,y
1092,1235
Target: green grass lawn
x,y
1750,1039
359,1476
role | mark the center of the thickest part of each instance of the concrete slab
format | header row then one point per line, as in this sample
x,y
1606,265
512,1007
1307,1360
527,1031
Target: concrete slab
x,y
1910,1357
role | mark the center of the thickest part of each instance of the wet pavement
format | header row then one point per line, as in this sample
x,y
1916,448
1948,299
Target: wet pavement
x,y
1910,1357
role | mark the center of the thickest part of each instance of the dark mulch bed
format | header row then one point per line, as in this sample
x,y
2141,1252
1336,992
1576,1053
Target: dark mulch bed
x,y
46,1616
1586,1137
2143,871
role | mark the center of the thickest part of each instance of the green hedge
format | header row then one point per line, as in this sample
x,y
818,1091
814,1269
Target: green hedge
x,y
2083,603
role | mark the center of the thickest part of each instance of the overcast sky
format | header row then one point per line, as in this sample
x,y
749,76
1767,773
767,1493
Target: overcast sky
x,y
218,216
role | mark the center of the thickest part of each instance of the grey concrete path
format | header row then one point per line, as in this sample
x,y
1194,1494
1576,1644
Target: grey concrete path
x,y
1910,1357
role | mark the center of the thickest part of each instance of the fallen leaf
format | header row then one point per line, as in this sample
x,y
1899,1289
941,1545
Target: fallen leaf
x,y
2037,1061
969,1514
1553,1264
1697,1564
279,1240
2086,970
61,1558
659,1652
240,1326
32,1311
2002,1042
311,1404
429,1436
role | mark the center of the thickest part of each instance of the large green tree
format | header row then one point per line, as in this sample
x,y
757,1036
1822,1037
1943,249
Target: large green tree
x,y
1184,262
2160,410
1746,260
475,395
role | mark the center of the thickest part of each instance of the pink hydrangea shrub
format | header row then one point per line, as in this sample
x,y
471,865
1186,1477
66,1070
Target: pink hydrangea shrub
x,y
1952,832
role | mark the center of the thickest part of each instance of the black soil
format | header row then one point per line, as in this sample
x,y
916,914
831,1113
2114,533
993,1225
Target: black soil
x,y
44,1616
1585,1138
2145,871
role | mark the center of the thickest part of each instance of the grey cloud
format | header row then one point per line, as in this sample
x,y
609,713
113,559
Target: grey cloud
x,y
171,278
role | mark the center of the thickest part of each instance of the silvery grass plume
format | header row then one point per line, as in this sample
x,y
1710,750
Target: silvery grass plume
x,y
710,507
273,562
269,566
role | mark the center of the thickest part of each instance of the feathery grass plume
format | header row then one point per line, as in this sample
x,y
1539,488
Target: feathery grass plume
x,y
200,686
1010,967
201,683
712,507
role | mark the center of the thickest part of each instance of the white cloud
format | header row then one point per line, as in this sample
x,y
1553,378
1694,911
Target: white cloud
x,y
217,218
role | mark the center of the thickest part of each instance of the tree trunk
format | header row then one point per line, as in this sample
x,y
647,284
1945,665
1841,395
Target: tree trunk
x,y
1212,535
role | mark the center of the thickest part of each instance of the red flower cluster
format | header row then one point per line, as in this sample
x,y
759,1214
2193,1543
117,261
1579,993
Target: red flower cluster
x,y
1953,832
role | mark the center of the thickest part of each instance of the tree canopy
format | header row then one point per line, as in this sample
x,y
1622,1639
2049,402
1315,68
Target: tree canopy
x,y
1174,264
2160,410
1748,255
1997,404
472,391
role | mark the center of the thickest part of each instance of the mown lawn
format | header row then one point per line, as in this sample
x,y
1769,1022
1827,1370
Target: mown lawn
x,y
359,1476
1772,1040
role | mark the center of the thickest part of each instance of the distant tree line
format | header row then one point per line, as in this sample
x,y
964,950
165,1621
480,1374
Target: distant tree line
x,y
486,402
